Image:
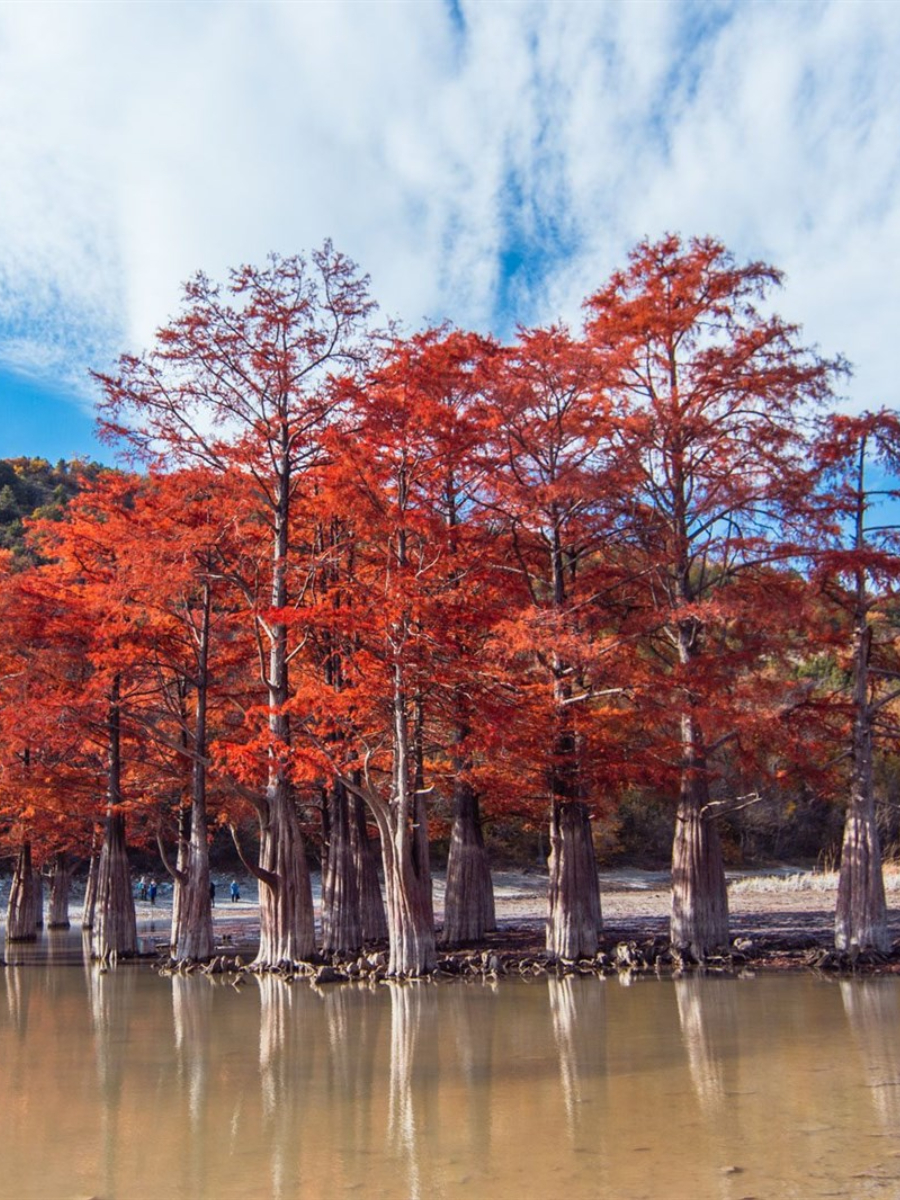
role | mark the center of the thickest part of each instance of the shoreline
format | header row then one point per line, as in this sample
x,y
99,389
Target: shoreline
x,y
780,920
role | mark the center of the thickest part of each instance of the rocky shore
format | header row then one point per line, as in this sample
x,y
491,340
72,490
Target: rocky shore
x,y
780,921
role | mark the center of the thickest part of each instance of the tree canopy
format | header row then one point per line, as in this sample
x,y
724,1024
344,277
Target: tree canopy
x,y
361,582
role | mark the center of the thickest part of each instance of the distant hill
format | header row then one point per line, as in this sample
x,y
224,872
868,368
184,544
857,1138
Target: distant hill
x,y
32,487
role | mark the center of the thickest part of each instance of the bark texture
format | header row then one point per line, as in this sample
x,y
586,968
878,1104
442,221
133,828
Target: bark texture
x,y
573,897
574,920
401,824
699,921
373,917
286,918
699,894
38,899
861,911
179,874
21,915
413,951
90,894
287,929
341,917
115,927
404,848
60,887
193,938
469,897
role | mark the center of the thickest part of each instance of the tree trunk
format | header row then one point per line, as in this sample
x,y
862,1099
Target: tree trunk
x,y
341,918
194,940
409,912
90,894
699,920
410,922
192,936
180,872
421,850
287,928
469,892
861,912
574,921
287,931
38,899
469,896
59,893
192,929
573,899
21,918
115,928
373,918
405,854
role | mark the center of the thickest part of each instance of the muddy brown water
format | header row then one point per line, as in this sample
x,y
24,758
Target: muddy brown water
x,y
129,1085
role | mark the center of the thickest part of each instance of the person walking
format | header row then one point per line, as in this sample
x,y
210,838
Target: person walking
x,y
151,891
235,892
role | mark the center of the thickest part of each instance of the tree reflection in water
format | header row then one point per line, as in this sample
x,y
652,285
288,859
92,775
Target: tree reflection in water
x,y
193,1019
565,1020
578,1013
354,1021
410,1003
467,1025
708,1017
280,1062
111,1005
561,1087
275,999
18,988
873,1012
192,1007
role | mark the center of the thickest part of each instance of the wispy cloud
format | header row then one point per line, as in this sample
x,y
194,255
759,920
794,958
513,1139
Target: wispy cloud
x,y
485,162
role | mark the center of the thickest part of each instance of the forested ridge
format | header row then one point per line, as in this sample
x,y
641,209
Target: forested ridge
x,y
363,588
32,487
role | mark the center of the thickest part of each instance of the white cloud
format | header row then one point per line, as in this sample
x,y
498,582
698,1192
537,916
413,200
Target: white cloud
x,y
141,142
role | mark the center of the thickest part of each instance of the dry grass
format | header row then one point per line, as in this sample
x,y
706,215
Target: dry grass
x,y
805,881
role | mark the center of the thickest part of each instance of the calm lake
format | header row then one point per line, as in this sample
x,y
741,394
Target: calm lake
x,y
127,1084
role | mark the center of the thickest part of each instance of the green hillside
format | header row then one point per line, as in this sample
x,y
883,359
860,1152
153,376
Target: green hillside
x,y
33,487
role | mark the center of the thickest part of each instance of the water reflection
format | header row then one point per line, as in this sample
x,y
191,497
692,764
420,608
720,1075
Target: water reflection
x,y
111,1010
17,993
356,1034
579,1026
191,1017
118,1082
873,1013
283,1062
468,1021
707,1014
406,1019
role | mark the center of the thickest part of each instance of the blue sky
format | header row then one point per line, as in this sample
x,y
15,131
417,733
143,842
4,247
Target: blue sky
x,y
486,162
